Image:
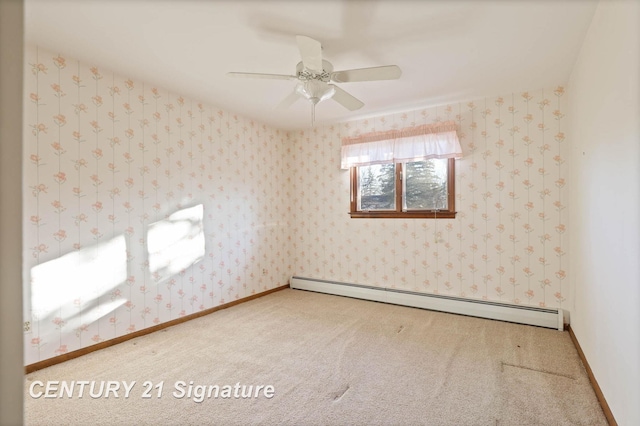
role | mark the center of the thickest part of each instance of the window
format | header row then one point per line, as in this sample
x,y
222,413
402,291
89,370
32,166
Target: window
x,y
406,173
416,189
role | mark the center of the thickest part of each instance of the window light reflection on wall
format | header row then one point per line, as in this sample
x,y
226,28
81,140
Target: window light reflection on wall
x,y
177,242
81,276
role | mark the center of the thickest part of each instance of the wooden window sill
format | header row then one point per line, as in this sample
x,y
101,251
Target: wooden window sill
x,y
404,215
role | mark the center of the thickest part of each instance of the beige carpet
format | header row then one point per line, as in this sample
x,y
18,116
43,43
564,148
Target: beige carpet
x,y
335,361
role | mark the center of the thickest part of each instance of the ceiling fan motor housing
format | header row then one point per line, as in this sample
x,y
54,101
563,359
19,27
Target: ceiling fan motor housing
x,y
305,74
313,85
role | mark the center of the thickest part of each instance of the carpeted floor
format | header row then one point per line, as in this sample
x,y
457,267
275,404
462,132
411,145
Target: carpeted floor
x,y
331,361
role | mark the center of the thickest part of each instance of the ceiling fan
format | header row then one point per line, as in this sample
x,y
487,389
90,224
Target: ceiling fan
x,y
316,75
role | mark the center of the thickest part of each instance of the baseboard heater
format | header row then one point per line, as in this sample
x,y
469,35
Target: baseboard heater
x,y
542,317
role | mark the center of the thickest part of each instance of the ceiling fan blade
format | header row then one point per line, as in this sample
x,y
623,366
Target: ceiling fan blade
x,y
348,101
387,72
311,52
260,75
289,100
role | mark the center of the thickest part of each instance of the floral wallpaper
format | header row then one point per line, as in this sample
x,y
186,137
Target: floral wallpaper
x,y
509,238
142,206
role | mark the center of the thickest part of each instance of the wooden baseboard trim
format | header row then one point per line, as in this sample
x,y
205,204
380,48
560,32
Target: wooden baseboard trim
x,y
78,353
594,383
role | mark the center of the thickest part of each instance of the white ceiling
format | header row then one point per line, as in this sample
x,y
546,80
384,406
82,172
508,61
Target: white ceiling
x,y
448,50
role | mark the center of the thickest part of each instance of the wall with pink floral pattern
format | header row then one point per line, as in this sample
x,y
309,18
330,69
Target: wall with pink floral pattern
x,y
141,206
509,238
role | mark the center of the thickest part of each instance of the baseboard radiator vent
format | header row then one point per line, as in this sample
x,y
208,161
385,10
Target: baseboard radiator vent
x,y
542,317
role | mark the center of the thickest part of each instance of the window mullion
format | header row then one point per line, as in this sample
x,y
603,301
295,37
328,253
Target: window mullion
x,y
399,188
354,189
451,184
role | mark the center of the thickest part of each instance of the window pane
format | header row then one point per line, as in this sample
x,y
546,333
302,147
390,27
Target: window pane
x,y
425,185
377,187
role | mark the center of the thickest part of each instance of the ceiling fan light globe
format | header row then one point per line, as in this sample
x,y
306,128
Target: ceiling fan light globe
x,y
329,92
315,90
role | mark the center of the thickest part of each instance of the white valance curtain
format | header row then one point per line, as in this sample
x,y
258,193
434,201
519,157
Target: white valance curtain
x,y
419,143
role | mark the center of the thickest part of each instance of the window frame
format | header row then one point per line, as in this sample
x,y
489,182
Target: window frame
x,y
450,213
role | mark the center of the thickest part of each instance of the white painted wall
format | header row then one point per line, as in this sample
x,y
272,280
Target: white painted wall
x,y
11,372
605,204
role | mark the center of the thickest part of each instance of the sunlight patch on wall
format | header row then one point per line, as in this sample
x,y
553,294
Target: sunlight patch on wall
x,y
93,314
82,275
177,242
